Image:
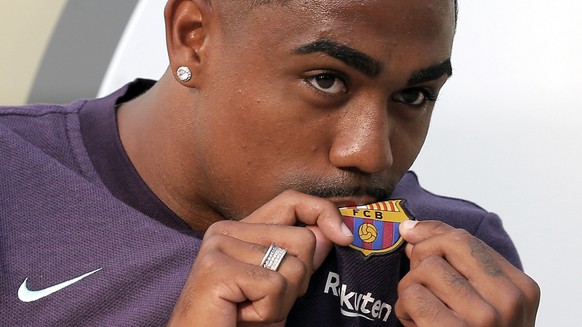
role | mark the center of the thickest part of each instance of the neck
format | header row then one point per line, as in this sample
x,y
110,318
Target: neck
x,y
149,131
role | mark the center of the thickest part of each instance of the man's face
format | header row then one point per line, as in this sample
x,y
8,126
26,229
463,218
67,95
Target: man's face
x,y
331,98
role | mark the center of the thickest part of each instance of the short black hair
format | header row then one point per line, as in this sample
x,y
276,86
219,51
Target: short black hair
x,y
232,11
257,3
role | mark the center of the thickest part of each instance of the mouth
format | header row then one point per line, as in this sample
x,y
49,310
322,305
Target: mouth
x,y
341,202
347,192
343,197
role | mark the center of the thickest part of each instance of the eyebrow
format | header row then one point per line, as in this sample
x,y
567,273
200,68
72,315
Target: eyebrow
x,y
368,65
351,57
431,73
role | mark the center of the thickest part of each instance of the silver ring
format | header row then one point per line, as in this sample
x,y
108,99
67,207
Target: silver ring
x,y
273,257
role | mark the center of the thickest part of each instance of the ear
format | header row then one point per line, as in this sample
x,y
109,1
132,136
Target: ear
x,y
186,33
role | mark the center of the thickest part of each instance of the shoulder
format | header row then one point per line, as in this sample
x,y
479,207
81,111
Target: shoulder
x,y
458,213
425,205
30,111
33,122
43,132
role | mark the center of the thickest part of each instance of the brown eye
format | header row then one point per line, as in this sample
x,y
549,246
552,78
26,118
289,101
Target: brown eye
x,y
415,97
328,83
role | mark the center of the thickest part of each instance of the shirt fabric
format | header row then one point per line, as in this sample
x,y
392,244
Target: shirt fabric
x,y
72,204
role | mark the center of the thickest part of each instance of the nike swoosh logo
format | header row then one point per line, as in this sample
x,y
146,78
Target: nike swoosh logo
x,y
26,295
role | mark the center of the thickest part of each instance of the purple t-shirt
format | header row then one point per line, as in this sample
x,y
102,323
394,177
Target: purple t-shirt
x,y
83,241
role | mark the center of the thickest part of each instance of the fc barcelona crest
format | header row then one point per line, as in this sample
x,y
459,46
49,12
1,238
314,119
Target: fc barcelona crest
x,y
375,226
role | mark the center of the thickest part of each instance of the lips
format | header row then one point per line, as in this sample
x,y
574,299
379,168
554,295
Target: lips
x,y
353,201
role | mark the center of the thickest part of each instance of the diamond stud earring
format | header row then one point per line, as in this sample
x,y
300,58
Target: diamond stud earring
x,y
184,74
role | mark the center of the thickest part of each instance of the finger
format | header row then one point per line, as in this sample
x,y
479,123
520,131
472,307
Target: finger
x,y
263,293
267,299
469,255
414,231
453,290
223,289
297,271
322,247
418,306
461,249
291,207
530,291
298,241
512,293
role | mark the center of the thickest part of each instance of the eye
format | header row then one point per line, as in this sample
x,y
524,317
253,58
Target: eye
x,y
328,83
415,97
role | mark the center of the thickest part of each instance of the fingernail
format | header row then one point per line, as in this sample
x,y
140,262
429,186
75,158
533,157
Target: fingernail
x,y
346,230
408,224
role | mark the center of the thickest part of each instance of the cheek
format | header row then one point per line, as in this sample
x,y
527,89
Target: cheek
x,y
407,141
267,126
262,142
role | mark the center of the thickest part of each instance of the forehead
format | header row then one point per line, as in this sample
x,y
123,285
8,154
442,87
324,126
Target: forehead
x,y
380,28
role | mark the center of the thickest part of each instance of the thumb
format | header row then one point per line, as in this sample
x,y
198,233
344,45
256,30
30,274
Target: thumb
x,y
417,231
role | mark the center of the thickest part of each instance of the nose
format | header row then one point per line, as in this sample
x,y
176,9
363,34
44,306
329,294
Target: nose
x,y
362,140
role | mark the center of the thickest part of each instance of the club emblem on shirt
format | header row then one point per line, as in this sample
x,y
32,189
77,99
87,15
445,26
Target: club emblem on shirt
x,y
375,226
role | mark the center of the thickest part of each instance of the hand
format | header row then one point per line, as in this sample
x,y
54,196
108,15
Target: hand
x,y
457,280
227,286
